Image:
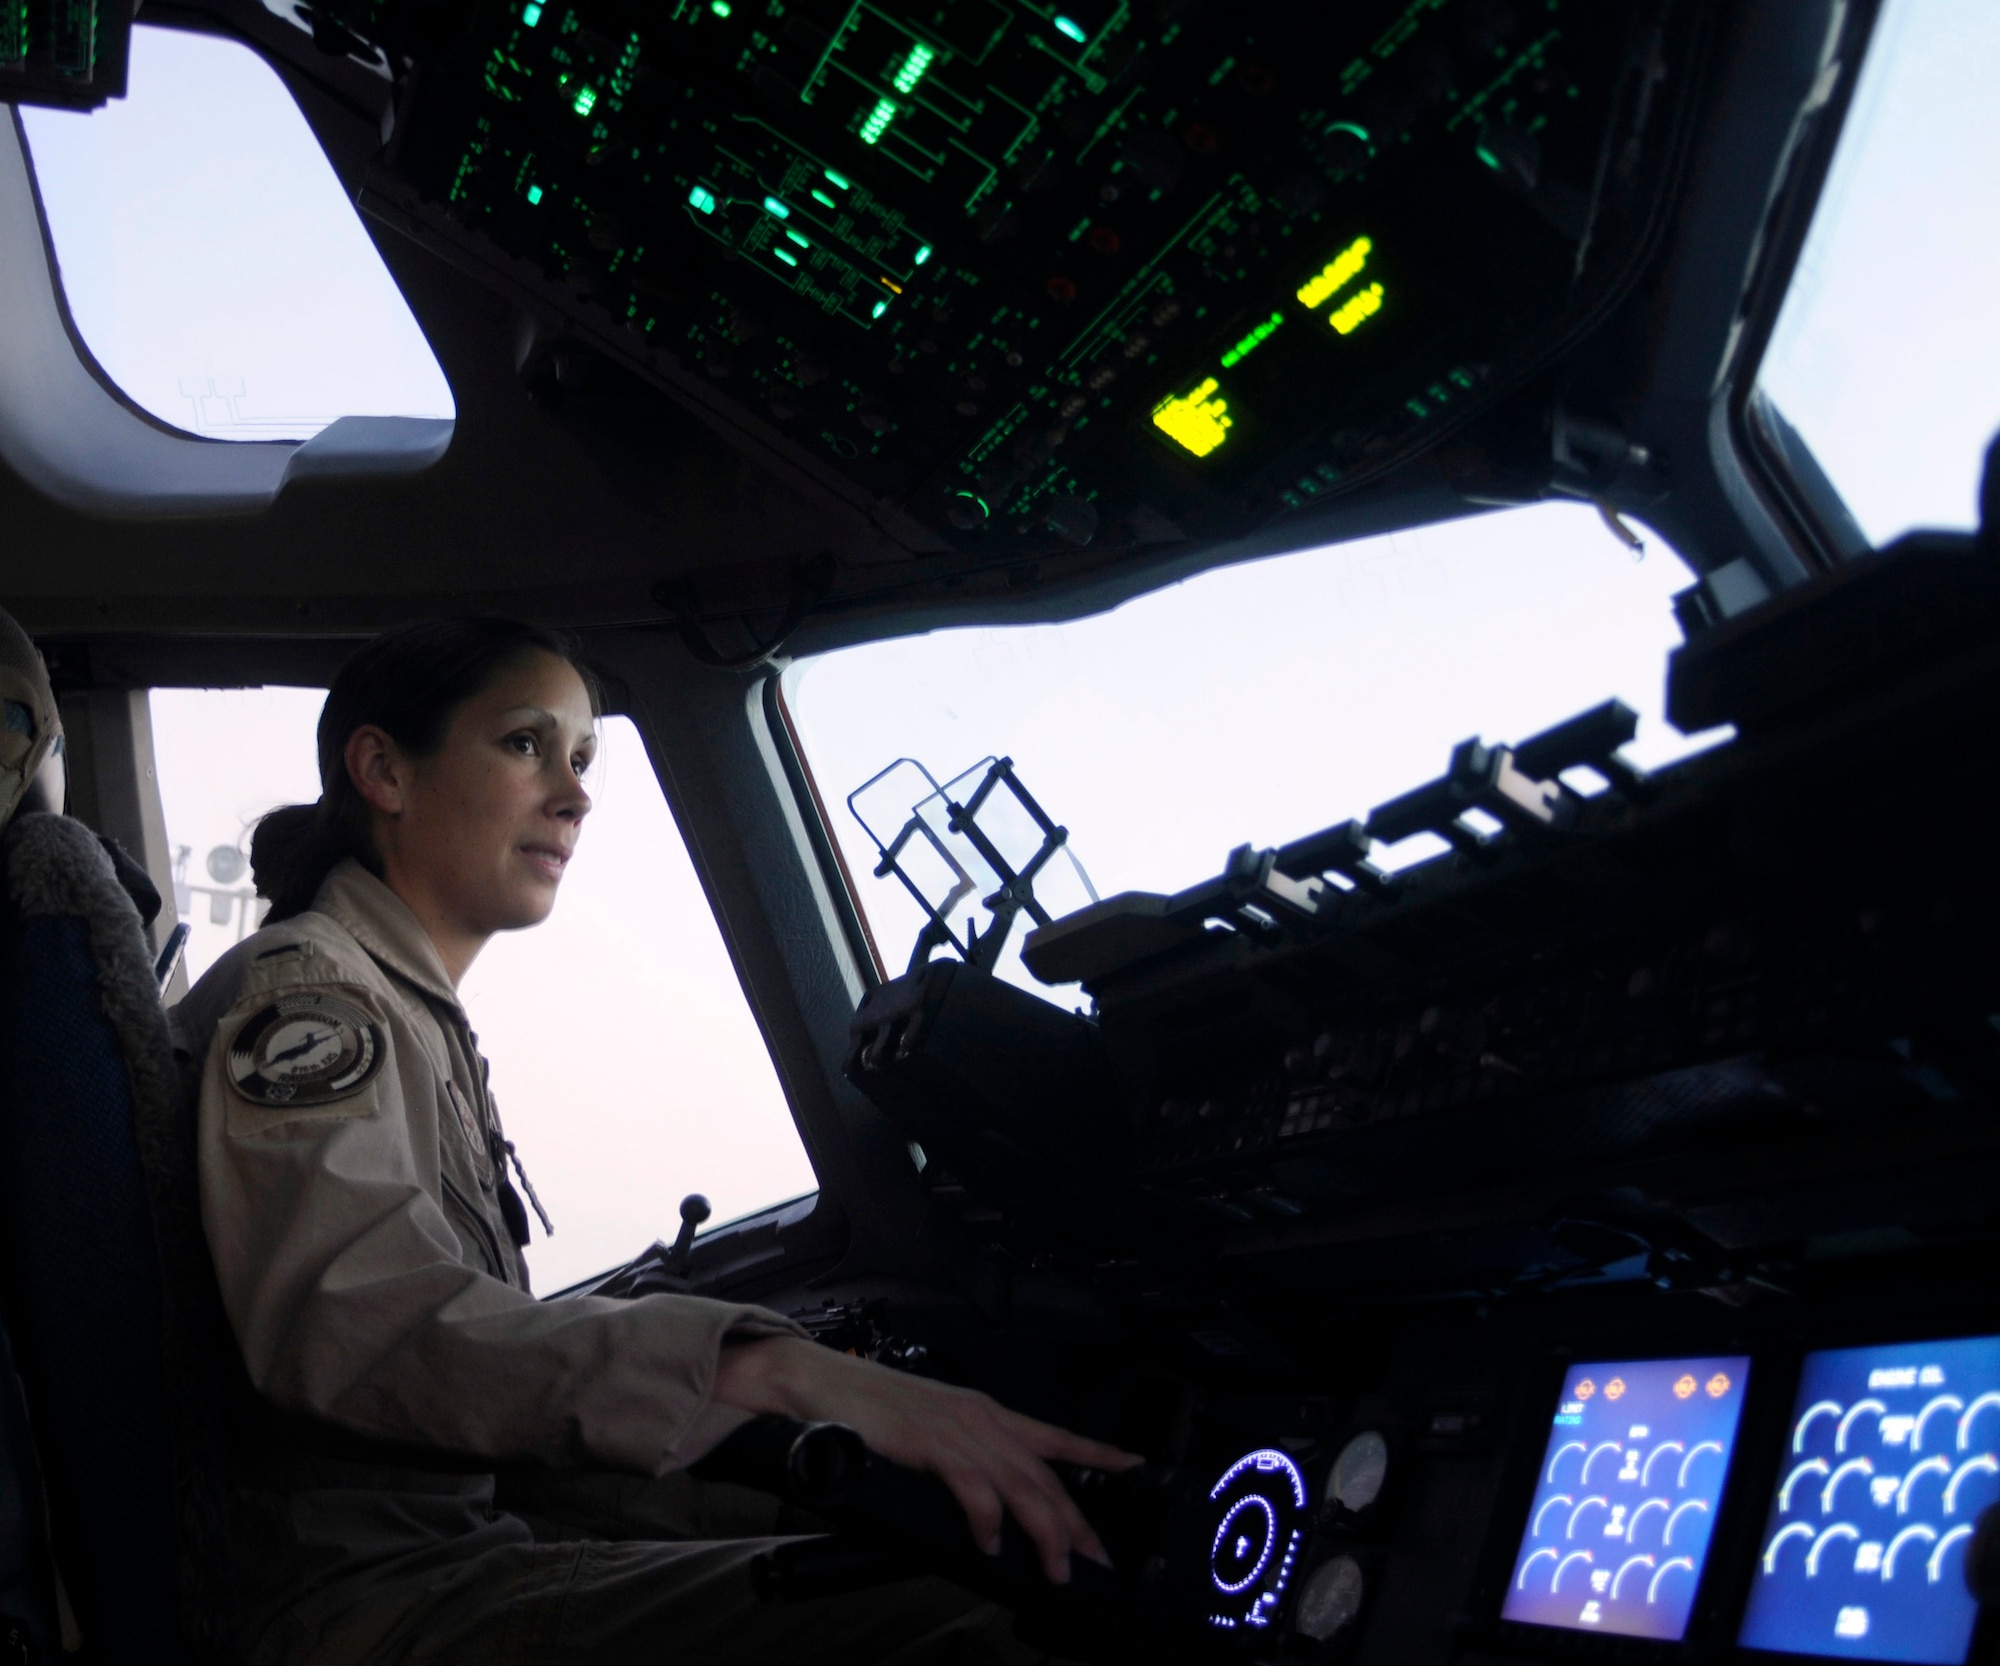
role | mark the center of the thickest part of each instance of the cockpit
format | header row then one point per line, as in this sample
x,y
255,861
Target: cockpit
x,y
1291,764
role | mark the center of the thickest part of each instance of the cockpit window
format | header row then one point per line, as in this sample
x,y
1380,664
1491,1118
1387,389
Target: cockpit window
x,y
1254,703
626,1061
1885,359
211,261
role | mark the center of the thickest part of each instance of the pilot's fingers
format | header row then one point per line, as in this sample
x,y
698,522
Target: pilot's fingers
x,y
977,1497
986,1469
1074,1523
1046,1513
1045,1440
1037,1499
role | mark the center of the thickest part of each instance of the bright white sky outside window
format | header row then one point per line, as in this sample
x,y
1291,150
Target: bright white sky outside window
x,y
1255,703
213,265
1886,355
626,1063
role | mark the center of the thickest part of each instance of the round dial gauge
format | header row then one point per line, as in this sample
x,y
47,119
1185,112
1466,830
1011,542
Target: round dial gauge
x,y
1258,1508
1355,1481
1330,1599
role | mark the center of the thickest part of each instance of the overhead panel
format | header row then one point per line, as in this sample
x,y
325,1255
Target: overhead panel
x,y
66,53
1043,276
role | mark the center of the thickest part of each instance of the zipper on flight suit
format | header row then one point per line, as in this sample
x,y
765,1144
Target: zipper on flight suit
x,y
500,1151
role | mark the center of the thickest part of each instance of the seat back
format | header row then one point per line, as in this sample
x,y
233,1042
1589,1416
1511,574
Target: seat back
x,y
96,1181
29,1631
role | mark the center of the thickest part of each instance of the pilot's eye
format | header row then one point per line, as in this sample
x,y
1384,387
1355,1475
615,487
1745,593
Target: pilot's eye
x,y
525,744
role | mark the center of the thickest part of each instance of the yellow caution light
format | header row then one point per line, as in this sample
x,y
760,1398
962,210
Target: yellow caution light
x,y
1337,271
890,285
1197,421
1356,310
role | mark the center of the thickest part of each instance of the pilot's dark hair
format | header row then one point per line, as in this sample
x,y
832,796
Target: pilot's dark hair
x,y
408,683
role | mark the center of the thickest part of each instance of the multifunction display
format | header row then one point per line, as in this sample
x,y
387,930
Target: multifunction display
x,y
1892,1454
1627,1496
1258,1509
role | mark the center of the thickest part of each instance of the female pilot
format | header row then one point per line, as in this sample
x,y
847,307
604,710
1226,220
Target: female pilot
x,y
367,1240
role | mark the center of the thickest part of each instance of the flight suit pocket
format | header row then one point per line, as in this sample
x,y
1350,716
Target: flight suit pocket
x,y
469,1221
476,1146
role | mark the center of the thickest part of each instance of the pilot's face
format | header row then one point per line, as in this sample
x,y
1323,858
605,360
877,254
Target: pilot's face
x,y
491,819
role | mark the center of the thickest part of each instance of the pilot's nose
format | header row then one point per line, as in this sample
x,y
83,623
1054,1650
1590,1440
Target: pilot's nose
x,y
572,799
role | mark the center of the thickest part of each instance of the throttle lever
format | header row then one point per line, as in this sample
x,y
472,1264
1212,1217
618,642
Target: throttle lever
x,y
817,1466
909,1518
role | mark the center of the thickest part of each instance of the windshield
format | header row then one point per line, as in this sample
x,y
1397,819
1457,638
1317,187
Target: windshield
x,y
1255,703
1885,357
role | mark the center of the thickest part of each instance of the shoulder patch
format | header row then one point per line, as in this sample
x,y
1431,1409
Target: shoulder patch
x,y
302,947
308,1048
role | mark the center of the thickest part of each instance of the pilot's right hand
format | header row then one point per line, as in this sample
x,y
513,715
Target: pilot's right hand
x,y
995,1461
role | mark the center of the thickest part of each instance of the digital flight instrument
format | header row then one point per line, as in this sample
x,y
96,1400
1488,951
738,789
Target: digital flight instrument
x,y
1618,1532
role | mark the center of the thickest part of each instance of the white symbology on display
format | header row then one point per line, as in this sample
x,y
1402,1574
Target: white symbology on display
x,y
1891,1455
1626,1499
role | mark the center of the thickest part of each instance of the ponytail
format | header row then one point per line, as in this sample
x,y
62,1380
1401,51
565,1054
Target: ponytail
x,y
293,850
409,683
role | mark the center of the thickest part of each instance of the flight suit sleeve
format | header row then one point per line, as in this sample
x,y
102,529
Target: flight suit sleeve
x,y
344,1279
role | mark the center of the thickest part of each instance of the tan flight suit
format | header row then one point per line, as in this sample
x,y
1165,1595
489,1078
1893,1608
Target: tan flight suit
x,y
352,1197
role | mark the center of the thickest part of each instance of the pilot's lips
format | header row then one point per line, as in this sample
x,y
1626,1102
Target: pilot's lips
x,y
550,859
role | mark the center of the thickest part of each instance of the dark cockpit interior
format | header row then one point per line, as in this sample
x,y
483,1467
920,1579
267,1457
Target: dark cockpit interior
x,y
1575,1246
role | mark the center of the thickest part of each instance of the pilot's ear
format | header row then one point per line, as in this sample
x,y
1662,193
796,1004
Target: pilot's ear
x,y
377,767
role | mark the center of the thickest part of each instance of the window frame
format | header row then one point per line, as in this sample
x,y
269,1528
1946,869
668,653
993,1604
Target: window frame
x,y
1788,480
69,430
823,841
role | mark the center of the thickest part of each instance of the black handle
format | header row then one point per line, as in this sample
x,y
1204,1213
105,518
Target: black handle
x,y
818,1466
694,1210
893,1522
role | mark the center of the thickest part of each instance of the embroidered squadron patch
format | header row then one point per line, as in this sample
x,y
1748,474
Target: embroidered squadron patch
x,y
305,1049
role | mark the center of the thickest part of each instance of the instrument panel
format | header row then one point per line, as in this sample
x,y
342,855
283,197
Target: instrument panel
x,y
1036,276
1758,1504
1626,1174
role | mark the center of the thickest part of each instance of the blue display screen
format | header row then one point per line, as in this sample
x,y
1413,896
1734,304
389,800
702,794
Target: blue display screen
x,y
1627,1496
1891,1455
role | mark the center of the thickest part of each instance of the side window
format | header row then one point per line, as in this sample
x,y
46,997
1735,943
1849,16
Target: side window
x,y
211,260
1884,360
625,1059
